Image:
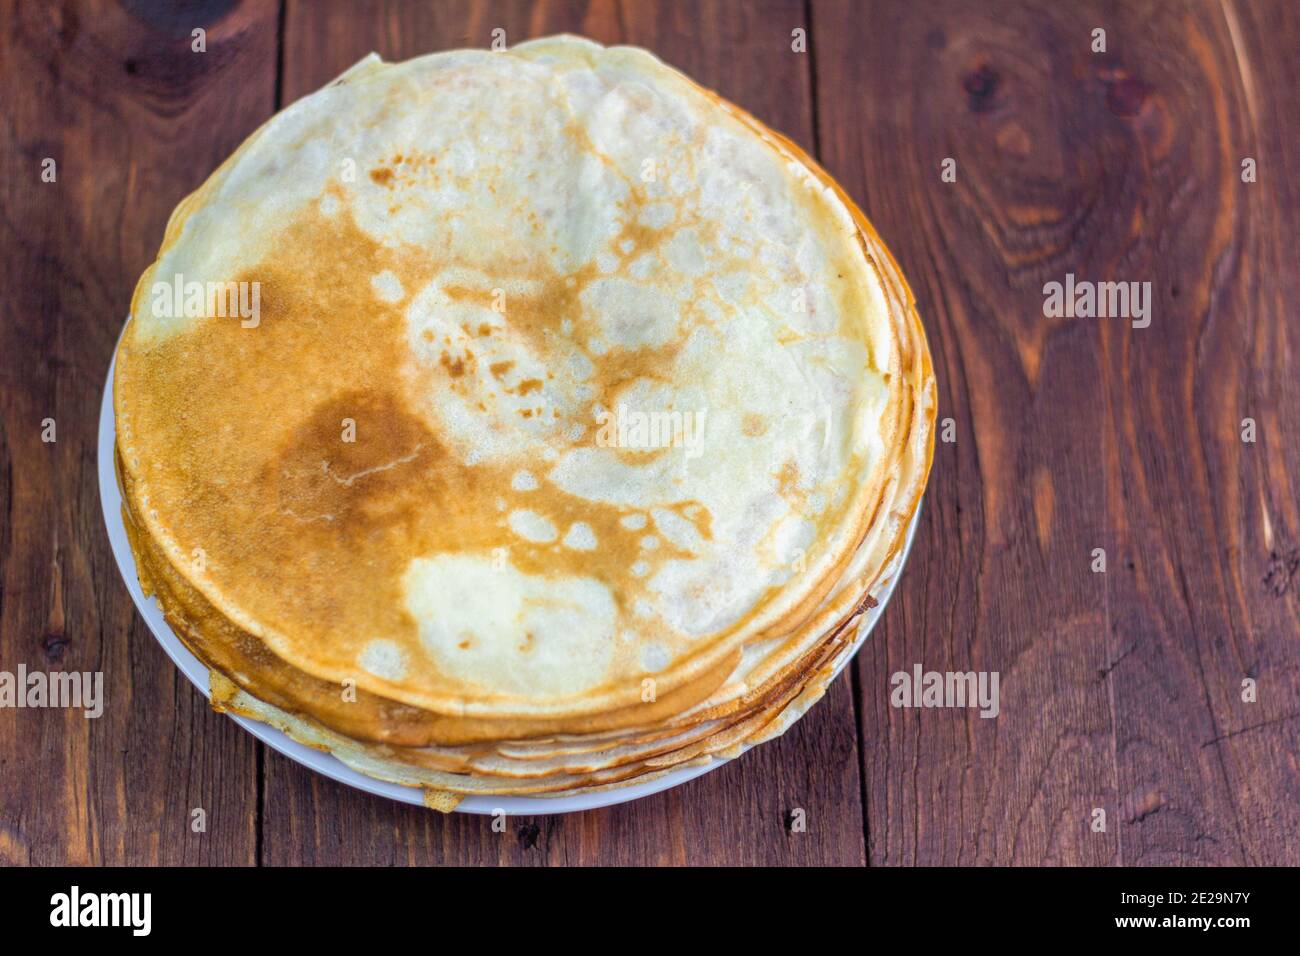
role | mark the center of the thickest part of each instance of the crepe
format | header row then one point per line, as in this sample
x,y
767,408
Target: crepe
x,y
520,422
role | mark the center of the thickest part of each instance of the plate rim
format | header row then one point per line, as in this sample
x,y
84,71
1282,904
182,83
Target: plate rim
x,y
110,499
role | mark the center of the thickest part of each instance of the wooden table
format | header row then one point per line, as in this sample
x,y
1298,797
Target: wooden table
x,y
1120,691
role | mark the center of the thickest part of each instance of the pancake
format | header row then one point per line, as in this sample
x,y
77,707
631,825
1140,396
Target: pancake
x,y
520,422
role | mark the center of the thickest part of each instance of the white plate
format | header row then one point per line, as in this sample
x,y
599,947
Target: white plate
x,y
111,499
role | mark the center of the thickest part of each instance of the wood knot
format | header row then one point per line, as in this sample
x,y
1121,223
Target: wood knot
x,y
1139,806
55,640
1282,568
1125,94
55,643
980,85
528,834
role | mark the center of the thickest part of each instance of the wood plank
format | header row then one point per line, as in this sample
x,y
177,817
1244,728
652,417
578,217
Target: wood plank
x,y
737,813
1120,690
134,120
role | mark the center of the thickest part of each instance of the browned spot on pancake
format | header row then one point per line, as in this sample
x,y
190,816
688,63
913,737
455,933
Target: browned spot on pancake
x,y
753,425
787,480
530,385
354,487
382,175
455,366
499,369
642,238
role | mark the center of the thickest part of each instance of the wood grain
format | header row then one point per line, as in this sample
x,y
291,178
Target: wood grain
x,y
134,120
1121,690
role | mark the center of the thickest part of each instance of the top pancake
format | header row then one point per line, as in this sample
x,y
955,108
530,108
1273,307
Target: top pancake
x,y
404,474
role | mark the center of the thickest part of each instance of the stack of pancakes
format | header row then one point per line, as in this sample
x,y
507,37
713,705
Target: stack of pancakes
x,y
527,422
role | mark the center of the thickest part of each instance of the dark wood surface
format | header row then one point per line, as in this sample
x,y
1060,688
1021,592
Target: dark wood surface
x,y
1121,691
